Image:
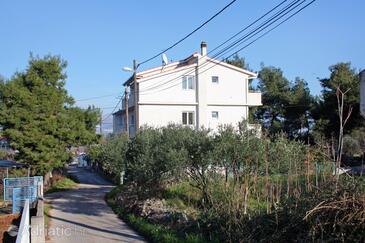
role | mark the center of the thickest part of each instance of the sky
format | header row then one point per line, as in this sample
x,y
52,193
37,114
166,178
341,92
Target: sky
x,y
98,38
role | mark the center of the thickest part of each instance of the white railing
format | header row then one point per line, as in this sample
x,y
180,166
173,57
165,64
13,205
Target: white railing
x,y
23,234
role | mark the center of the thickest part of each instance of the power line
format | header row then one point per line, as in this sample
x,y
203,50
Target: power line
x,y
286,10
106,108
245,28
262,27
254,32
254,22
97,97
188,35
115,108
230,46
261,36
251,41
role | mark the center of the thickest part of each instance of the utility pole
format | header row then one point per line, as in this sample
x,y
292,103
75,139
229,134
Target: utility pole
x,y
136,98
126,110
131,80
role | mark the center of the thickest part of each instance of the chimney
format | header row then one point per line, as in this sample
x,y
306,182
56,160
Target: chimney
x,y
203,47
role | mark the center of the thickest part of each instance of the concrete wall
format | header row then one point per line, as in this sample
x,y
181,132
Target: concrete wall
x,y
37,224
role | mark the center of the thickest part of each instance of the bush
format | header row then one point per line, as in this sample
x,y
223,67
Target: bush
x,y
110,156
234,185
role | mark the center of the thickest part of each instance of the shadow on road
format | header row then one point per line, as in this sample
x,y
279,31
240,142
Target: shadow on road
x,y
135,237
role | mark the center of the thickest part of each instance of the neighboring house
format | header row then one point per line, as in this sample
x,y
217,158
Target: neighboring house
x,y
4,144
198,91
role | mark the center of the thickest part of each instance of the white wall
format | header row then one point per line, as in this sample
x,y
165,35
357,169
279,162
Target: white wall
x,y
167,89
231,88
227,115
162,115
162,100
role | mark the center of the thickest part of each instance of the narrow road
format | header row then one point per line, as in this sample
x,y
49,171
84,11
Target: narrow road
x,y
81,215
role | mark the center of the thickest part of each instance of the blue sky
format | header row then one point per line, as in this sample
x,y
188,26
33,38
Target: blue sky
x,y
97,38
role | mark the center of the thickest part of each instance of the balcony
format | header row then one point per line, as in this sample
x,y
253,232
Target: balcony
x,y
130,101
254,98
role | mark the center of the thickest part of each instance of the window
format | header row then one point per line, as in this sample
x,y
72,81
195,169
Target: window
x,y
215,114
188,82
188,118
215,79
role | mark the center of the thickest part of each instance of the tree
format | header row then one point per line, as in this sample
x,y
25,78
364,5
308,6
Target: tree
x,y
109,155
345,77
238,61
286,105
297,113
275,97
154,155
38,115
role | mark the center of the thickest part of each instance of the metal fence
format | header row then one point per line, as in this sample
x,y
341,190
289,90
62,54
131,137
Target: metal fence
x,y
18,190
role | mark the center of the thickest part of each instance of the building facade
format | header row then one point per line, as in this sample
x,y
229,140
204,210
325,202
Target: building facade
x,y
198,91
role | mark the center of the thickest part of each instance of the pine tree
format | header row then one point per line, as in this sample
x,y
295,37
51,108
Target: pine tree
x,y
38,115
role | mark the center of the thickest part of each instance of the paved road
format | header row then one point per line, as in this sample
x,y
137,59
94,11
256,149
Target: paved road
x,y
81,215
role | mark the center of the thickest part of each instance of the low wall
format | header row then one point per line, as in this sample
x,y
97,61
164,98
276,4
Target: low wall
x,y
37,233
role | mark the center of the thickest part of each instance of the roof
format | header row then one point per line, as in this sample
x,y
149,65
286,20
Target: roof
x,y
11,164
118,112
185,63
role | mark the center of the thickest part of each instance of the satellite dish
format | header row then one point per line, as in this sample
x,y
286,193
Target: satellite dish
x,y
165,61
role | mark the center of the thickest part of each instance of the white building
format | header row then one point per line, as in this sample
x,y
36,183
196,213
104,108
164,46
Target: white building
x,y
198,91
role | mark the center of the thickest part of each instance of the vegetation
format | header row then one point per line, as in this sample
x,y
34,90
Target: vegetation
x,y
151,231
47,208
195,185
38,116
289,107
62,183
231,186
222,186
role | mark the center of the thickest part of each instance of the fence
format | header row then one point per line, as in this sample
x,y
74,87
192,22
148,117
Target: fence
x,y
20,189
